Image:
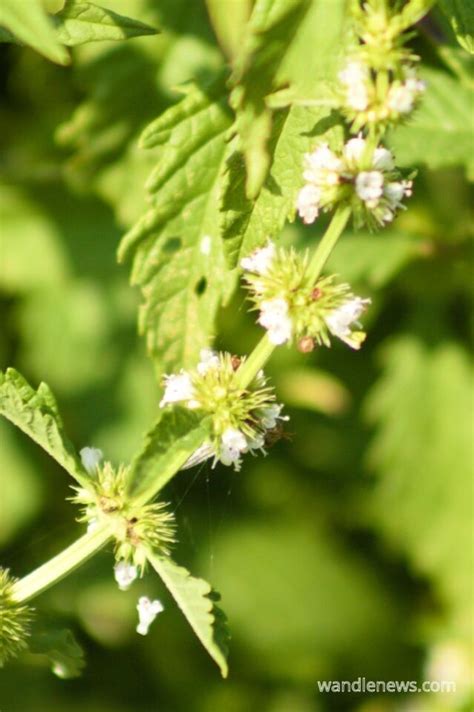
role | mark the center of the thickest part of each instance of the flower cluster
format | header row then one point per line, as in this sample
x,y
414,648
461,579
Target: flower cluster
x,y
241,418
291,310
15,620
367,101
136,528
365,178
379,83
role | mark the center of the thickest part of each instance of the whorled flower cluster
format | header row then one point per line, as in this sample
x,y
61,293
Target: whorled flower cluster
x,y
15,620
292,310
136,528
241,418
366,179
367,102
379,82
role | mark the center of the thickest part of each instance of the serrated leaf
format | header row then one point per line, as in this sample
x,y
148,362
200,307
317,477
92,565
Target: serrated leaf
x,y
269,31
246,223
29,22
196,599
422,453
36,414
60,647
175,247
275,54
176,435
440,132
81,22
460,14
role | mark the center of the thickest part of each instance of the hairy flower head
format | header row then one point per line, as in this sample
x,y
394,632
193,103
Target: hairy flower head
x,y
135,528
237,414
15,620
361,176
309,314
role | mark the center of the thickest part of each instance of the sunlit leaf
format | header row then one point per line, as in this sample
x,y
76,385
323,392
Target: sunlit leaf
x,y
197,601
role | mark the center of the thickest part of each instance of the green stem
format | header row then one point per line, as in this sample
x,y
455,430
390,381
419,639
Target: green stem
x,y
255,362
327,243
59,566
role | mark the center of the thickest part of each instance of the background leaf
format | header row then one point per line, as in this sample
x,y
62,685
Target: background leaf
x,y
31,24
439,134
59,645
422,454
461,17
81,22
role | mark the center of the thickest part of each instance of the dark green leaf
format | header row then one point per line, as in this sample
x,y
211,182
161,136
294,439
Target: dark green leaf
x,y
461,16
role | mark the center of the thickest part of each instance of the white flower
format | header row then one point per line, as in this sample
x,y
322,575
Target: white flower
x,y
257,443
402,98
147,612
233,443
323,167
91,458
271,416
274,317
125,574
307,203
354,149
205,245
260,260
209,359
178,387
339,320
396,191
369,187
383,159
356,76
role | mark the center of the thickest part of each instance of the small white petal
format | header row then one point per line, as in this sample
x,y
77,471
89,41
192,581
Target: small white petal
x,y
209,359
340,320
307,203
233,443
274,317
125,574
178,387
91,458
383,159
354,149
147,612
369,186
271,416
260,260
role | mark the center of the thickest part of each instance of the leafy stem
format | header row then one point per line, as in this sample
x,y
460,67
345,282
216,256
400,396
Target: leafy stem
x,y
61,565
73,556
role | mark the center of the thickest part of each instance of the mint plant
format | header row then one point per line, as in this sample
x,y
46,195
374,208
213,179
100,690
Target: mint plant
x,y
285,132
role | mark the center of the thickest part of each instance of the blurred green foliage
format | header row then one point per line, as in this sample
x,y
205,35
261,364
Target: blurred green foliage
x,y
346,552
